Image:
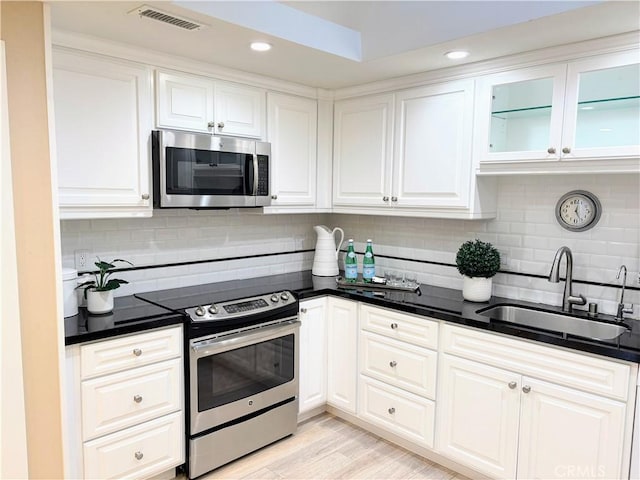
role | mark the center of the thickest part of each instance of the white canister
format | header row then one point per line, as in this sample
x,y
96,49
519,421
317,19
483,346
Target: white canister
x,y
69,295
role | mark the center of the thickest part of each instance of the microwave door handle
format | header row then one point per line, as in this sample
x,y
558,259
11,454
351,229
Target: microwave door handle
x,y
255,174
248,175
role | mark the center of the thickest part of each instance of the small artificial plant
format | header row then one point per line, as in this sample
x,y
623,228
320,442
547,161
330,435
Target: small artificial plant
x,y
476,258
103,281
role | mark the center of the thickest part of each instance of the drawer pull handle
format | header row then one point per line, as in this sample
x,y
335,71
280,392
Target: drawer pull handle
x,y
391,411
137,398
526,389
137,352
139,455
393,363
394,326
512,385
303,310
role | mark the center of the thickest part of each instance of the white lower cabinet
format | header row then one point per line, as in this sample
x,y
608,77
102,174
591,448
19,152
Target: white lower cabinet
x,y
397,385
137,452
125,400
400,412
313,354
506,424
342,361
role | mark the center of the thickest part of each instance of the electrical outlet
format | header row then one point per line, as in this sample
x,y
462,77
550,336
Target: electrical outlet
x,y
504,258
81,259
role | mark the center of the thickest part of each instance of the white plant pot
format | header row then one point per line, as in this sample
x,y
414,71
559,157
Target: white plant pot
x,y
476,289
99,302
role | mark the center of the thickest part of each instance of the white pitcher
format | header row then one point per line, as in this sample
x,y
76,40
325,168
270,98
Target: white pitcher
x,y
325,261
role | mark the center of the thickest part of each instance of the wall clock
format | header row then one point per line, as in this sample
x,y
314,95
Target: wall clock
x,y
578,210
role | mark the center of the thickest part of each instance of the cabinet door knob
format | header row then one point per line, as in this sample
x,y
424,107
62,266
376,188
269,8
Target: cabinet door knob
x,y
139,455
385,199
566,150
551,150
393,363
394,326
394,199
512,385
274,197
526,389
145,196
391,411
137,352
211,124
137,398
220,125
303,310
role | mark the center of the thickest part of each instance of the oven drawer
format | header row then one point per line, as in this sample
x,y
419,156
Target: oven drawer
x,y
137,452
400,364
399,412
417,330
130,351
123,399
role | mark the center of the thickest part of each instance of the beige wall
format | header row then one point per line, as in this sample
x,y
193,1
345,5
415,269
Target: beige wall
x,y
25,30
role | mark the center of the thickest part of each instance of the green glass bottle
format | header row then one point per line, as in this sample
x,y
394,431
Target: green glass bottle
x,y
351,263
368,263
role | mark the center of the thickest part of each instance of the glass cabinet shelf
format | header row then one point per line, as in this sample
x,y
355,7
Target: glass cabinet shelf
x,y
543,110
611,103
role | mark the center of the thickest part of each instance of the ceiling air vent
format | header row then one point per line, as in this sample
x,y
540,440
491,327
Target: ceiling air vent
x,y
156,14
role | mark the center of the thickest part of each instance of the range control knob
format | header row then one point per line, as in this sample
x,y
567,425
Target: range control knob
x,y
212,309
199,312
274,298
284,296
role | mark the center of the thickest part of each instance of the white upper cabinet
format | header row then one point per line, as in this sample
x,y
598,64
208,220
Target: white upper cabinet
x,y
409,153
362,149
201,104
292,132
579,116
432,157
103,118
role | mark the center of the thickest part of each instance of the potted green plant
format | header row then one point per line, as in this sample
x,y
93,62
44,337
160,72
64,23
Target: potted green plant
x,y
478,262
99,292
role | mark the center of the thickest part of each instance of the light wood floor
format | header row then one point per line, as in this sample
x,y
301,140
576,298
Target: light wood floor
x,y
326,447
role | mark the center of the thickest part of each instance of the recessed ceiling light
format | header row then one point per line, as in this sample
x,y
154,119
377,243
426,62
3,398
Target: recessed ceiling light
x,y
457,54
260,46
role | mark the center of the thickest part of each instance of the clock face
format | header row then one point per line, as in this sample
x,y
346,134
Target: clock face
x,y
578,210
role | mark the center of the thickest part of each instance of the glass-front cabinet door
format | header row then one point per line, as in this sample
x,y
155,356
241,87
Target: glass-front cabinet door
x,y
602,107
519,114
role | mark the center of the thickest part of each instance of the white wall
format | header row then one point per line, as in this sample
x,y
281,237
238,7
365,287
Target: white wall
x,y
525,229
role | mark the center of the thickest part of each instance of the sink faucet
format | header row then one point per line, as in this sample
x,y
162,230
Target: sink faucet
x,y
622,309
568,299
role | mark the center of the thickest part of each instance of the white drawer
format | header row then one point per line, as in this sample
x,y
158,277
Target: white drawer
x,y
120,400
130,351
581,371
400,364
399,412
158,444
400,326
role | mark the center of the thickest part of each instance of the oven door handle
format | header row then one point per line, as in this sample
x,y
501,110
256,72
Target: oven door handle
x,y
234,340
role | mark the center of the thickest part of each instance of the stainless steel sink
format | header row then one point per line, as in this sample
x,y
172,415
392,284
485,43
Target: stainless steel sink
x,y
555,322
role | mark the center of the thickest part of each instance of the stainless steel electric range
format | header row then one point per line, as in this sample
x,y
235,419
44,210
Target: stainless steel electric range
x,y
241,369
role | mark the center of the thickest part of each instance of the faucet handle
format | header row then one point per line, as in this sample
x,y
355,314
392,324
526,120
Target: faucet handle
x,y
577,299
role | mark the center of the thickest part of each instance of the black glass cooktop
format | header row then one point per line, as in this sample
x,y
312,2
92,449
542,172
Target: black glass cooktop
x,y
179,299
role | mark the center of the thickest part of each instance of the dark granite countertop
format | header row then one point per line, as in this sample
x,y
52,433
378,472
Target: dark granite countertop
x,y
435,302
129,315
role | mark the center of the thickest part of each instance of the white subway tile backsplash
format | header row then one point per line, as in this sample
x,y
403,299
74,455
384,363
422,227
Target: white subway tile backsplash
x,y
525,228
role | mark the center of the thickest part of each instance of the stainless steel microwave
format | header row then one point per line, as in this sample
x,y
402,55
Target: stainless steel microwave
x,y
196,170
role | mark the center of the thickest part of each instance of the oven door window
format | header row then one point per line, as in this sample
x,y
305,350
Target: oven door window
x,y
203,172
240,373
